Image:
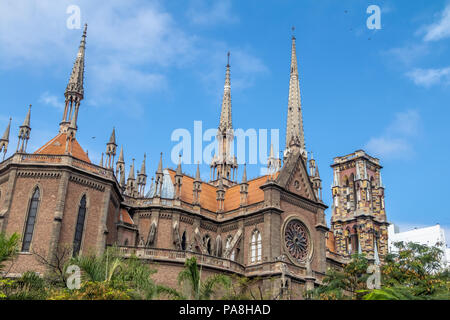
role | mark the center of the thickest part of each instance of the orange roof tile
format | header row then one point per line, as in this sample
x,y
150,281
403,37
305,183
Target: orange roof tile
x,y
232,195
57,146
124,216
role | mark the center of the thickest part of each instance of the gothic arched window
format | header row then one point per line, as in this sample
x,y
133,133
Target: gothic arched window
x,y
31,220
255,247
227,247
79,226
207,243
183,241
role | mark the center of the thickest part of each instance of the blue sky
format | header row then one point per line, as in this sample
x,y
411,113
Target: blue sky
x,y
156,66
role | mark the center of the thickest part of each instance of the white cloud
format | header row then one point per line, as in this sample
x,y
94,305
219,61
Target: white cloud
x,y
395,142
131,45
216,13
409,53
440,29
430,77
51,100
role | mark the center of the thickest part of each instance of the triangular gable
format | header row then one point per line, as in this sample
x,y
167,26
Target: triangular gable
x,y
294,177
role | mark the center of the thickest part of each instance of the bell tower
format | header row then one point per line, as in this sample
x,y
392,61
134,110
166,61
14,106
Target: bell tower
x,y
358,220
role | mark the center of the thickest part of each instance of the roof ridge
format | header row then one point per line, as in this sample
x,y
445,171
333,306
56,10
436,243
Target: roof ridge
x,y
48,143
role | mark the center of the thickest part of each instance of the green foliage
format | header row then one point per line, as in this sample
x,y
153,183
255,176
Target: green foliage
x,y
9,246
28,287
345,284
91,291
414,272
196,289
129,275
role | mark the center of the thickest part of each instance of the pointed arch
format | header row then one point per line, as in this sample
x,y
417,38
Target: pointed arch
x,y
183,241
255,247
79,227
207,243
31,219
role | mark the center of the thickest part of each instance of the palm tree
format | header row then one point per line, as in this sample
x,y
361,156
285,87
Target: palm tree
x,y
9,246
197,290
128,274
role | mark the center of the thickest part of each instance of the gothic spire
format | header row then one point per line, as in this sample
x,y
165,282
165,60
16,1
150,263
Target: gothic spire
x,y
112,139
24,133
160,166
74,91
179,171
26,122
6,133
244,174
121,158
197,174
131,174
294,128
76,80
142,172
225,115
4,141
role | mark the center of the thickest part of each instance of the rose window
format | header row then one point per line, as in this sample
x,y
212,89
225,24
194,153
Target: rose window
x,y
297,240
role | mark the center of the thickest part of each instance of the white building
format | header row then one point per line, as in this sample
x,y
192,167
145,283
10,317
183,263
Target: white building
x,y
429,236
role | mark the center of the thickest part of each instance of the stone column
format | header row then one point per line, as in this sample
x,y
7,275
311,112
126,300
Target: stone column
x,y
58,216
4,210
102,227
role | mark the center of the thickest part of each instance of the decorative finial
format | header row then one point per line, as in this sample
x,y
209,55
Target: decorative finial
x,y
228,61
293,30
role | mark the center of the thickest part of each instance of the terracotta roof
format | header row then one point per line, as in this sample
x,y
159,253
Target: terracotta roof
x,y
330,241
124,216
57,146
232,195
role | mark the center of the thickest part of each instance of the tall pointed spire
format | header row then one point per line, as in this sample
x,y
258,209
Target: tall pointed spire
x,y
294,128
74,91
244,174
225,165
225,115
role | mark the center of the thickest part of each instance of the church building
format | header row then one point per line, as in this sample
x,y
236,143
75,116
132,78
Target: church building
x,y
272,227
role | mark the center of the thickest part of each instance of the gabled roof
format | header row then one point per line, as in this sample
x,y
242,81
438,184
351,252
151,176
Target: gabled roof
x,y
124,216
208,195
57,146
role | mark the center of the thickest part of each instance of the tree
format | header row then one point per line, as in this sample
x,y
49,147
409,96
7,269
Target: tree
x,y
414,271
196,289
9,246
129,275
345,284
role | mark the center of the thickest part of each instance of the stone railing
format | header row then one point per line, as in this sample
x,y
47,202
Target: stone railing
x,y
181,256
32,158
92,168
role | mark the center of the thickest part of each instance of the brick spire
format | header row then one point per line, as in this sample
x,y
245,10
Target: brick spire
x,y
74,91
294,128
